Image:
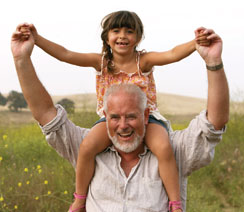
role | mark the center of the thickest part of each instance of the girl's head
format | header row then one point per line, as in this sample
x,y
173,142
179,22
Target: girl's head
x,y
119,19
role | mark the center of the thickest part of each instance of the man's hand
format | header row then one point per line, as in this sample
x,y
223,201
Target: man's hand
x,y
28,29
22,44
211,53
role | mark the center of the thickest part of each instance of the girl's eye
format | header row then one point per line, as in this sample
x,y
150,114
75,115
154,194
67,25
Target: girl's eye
x,y
115,30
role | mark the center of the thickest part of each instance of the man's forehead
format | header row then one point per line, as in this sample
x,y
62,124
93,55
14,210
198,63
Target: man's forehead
x,y
122,95
122,103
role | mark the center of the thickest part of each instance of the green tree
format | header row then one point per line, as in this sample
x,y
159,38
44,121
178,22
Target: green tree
x,y
16,101
3,100
68,105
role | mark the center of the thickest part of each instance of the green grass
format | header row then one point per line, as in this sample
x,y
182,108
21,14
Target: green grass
x,y
220,186
33,177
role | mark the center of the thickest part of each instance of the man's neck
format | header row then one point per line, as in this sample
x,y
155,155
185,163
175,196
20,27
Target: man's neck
x,y
129,160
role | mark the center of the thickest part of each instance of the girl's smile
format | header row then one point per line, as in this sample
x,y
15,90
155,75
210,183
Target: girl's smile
x,y
122,39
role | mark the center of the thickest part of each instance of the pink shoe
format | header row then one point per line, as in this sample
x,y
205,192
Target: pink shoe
x,y
174,205
77,196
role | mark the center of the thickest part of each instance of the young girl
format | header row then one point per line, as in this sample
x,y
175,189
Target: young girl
x,y
120,62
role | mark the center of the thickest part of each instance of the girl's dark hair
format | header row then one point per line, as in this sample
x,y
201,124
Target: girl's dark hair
x,y
118,19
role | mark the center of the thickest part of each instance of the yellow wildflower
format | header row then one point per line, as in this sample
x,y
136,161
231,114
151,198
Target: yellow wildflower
x,y
6,145
19,184
45,182
26,170
65,192
16,207
39,171
1,198
49,192
1,158
28,182
37,198
38,167
5,137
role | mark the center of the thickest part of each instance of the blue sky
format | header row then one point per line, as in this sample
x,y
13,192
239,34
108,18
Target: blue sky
x,y
75,24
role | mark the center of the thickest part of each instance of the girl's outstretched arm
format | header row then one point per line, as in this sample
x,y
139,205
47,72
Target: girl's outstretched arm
x,y
61,53
176,54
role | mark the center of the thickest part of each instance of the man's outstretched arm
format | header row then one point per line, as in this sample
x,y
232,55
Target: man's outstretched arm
x,y
218,91
38,99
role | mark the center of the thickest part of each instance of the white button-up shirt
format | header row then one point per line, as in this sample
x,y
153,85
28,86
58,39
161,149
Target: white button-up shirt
x,y
110,190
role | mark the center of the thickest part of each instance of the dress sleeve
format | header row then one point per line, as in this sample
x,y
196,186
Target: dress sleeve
x,y
64,136
194,147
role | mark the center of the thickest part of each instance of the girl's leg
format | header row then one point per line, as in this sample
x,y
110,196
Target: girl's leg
x,y
95,142
157,140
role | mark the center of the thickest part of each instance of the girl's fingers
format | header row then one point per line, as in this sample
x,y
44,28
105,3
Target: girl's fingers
x,y
22,25
24,29
204,42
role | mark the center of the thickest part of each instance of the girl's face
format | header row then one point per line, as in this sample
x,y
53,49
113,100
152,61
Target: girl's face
x,y
122,40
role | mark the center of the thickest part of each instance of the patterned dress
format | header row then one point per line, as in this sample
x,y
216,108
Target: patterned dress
x,y
144,80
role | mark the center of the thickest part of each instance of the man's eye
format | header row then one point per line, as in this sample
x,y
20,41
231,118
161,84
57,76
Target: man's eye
x,y
131,117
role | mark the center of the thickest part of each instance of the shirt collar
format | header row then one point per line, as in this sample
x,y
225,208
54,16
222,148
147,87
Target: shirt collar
x,y
112,148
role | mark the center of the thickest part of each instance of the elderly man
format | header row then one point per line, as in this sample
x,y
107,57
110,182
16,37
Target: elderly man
x,y
126,176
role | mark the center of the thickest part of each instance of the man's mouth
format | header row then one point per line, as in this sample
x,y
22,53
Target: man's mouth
x,y
126,135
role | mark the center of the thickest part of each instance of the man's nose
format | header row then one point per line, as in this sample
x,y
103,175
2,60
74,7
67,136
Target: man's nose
x,y
123,123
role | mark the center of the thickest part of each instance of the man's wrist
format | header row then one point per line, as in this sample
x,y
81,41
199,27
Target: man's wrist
x,y
215,67
21,61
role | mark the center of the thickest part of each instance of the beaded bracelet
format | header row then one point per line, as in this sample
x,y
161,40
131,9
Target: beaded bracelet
x,y
215,68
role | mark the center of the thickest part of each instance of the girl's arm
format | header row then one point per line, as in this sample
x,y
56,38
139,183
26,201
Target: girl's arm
x,y
179,52
63,54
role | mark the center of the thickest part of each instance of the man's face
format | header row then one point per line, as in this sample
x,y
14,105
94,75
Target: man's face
x,y
125,121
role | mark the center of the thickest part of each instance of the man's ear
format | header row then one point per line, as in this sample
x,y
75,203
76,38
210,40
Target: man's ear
x,y
104,113
146,115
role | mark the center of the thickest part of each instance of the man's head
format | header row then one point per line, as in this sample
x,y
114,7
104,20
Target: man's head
x,y
125,108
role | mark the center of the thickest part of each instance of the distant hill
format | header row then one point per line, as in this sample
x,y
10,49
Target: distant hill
x,y
174,107
167,103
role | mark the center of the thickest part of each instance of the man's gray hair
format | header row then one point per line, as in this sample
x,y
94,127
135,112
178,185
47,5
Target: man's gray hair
x,y
130,89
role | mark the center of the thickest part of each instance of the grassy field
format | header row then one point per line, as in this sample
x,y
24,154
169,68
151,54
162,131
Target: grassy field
x,y
33,177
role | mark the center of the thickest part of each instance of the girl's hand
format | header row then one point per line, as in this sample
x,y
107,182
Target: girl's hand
x,y
201,39
210,53
28,29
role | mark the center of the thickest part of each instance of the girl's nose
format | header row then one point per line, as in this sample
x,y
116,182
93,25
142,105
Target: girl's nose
x,y
122,34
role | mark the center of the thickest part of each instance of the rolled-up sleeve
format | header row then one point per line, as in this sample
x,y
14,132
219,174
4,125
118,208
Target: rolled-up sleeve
x,y
64,136
194,146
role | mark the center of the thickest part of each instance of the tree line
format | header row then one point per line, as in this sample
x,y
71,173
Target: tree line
x,y
16,101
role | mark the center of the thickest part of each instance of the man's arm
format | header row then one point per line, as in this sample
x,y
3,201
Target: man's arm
x,y
38,99
194,146
218,91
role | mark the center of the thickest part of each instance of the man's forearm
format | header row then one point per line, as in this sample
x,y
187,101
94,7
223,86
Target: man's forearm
x,y
218,98
38,99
